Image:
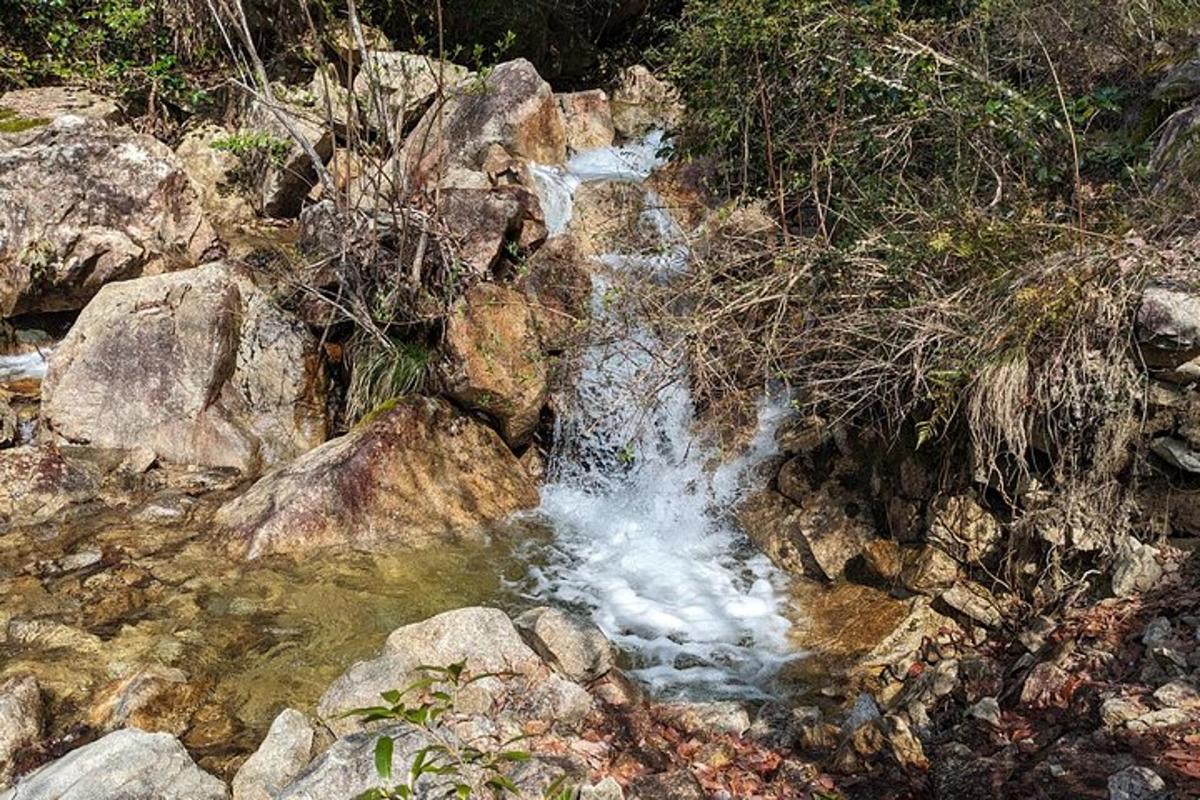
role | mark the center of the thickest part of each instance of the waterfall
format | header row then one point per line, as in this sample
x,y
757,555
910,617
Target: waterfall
x,y
643,536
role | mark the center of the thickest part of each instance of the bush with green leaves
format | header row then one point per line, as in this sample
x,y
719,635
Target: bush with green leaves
x,y
459,769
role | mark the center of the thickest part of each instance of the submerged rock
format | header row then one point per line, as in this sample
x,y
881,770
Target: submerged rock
x,y
416,473
198,366
83,204
38,483
497,365
125,765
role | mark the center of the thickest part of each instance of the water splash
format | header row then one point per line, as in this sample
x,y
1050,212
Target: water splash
x,y
644,539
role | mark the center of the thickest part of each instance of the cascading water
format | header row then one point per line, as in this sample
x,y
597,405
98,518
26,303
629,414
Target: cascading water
x,y
643,536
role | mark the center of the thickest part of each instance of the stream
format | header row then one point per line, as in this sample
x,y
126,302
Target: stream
x,y
634,530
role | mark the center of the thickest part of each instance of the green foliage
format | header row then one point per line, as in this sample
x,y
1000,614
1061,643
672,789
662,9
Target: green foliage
x,y
249,145
462,768
126,47
379,373
874,123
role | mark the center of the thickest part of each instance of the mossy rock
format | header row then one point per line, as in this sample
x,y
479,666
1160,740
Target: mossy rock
x,y
12,122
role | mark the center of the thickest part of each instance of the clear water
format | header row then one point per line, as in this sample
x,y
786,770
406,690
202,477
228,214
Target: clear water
x,y
644,539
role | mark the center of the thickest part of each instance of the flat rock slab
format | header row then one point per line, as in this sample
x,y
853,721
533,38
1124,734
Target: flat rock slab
x,y
126,765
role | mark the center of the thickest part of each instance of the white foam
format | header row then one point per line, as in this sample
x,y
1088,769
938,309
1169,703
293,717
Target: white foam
x,y
29,365
644,538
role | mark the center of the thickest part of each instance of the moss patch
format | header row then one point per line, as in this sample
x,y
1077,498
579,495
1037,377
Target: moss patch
x,y
12,122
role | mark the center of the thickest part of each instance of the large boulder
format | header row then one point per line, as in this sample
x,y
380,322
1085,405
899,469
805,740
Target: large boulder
x,y
82,204
198,366
642,102
587,120
290,172
125,765
1176,158
480,222
487,642
497,365
557,282
511,107
24,111
215,175
415,473
400,85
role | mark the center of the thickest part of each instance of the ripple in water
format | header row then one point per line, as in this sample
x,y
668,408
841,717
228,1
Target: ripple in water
x,y
643,535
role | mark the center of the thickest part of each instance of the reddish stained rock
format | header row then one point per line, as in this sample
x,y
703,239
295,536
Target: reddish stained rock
x,y
416,473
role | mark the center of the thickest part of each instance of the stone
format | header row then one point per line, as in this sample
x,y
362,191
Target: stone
x,y
341,40
817,538
86,204
557,284
1181,83
1177,453
1117,711
587,120
897,651
986,710
1136,568
199,366
573,646
906,747
511,108
406,83
677,785
963,528
1043,686
1158,633
1136,783
481,222
497,365
27,111
282,756
928,570
884,559
20,721
124,765
39,483
975,602
1178,694
719,716
214,175
684,187
333,102
289,177
1174,163
607,789
414,473
486,640
1167,326
641,102
155,698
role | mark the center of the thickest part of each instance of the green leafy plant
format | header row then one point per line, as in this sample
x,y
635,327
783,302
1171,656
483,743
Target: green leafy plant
x,y
464,769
